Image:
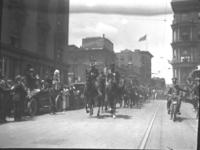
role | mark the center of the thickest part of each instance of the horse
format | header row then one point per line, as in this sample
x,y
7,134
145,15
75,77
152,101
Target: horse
x,y
120,94
111,92
94,90
90,93
100,86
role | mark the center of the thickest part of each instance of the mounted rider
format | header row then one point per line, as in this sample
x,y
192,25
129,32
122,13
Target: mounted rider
x,y
175,89
92,75
113,78
90,89
93,72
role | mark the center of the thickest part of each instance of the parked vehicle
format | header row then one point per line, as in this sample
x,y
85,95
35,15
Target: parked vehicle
x,y
79,94
38,100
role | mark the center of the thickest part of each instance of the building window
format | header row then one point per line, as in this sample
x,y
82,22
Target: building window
x,y
185,58
198,35
13,40
184,33
184,16
175,53
122,58
130,58
199,15
175,35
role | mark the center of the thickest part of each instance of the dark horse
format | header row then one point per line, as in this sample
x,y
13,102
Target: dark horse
x,y
94,90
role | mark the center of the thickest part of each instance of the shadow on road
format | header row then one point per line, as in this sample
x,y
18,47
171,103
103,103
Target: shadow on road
x,y
180,119
118,116
123,116
26,118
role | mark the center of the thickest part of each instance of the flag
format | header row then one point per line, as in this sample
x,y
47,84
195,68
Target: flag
x,y
143,38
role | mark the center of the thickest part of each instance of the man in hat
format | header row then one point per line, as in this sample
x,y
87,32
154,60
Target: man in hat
x,y
31,79
19,93
4,92
93,72
175,89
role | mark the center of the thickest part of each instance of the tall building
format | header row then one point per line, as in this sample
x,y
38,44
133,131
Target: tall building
x,y
97,43
135,63
186,37
98,49
34,33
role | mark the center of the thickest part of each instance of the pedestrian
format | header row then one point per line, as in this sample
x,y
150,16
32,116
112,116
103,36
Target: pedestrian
x,y
9,102
18,97
4,91
65,97
71,97
31,79
51,93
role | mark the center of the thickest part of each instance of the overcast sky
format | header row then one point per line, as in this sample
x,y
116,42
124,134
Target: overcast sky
x,y
124,22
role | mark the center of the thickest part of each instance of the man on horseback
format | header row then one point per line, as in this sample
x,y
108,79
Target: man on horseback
x,y
90,91
112,84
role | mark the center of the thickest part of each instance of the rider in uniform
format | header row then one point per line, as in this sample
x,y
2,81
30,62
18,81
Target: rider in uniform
x,y
114,77
93,72
91,77
175,89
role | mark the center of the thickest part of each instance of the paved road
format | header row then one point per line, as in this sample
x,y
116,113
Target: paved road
x,y
148,127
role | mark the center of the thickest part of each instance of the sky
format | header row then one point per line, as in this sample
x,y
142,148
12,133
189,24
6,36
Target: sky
x,y
124,22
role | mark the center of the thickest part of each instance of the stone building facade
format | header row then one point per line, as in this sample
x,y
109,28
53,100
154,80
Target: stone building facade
x,y
34,33
135,64
98,49
186,38
79,60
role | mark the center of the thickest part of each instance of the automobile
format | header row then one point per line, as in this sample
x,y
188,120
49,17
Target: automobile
x,y
78,94
38,101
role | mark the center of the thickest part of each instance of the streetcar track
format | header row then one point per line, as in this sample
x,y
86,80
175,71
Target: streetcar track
x,y
144,140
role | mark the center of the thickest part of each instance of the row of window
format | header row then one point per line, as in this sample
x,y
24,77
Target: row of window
x,y
185,34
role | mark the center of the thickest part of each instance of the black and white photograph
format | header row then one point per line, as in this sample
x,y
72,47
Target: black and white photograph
x,y
100,74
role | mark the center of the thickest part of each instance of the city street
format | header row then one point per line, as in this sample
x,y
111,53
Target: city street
x,y
148,127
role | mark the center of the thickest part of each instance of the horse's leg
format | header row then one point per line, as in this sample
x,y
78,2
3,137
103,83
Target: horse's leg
x,y
90,105
98,105
112,105
86,104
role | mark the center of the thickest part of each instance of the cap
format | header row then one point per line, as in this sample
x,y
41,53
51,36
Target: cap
x,y
18,77
31,69
174,79
56,71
